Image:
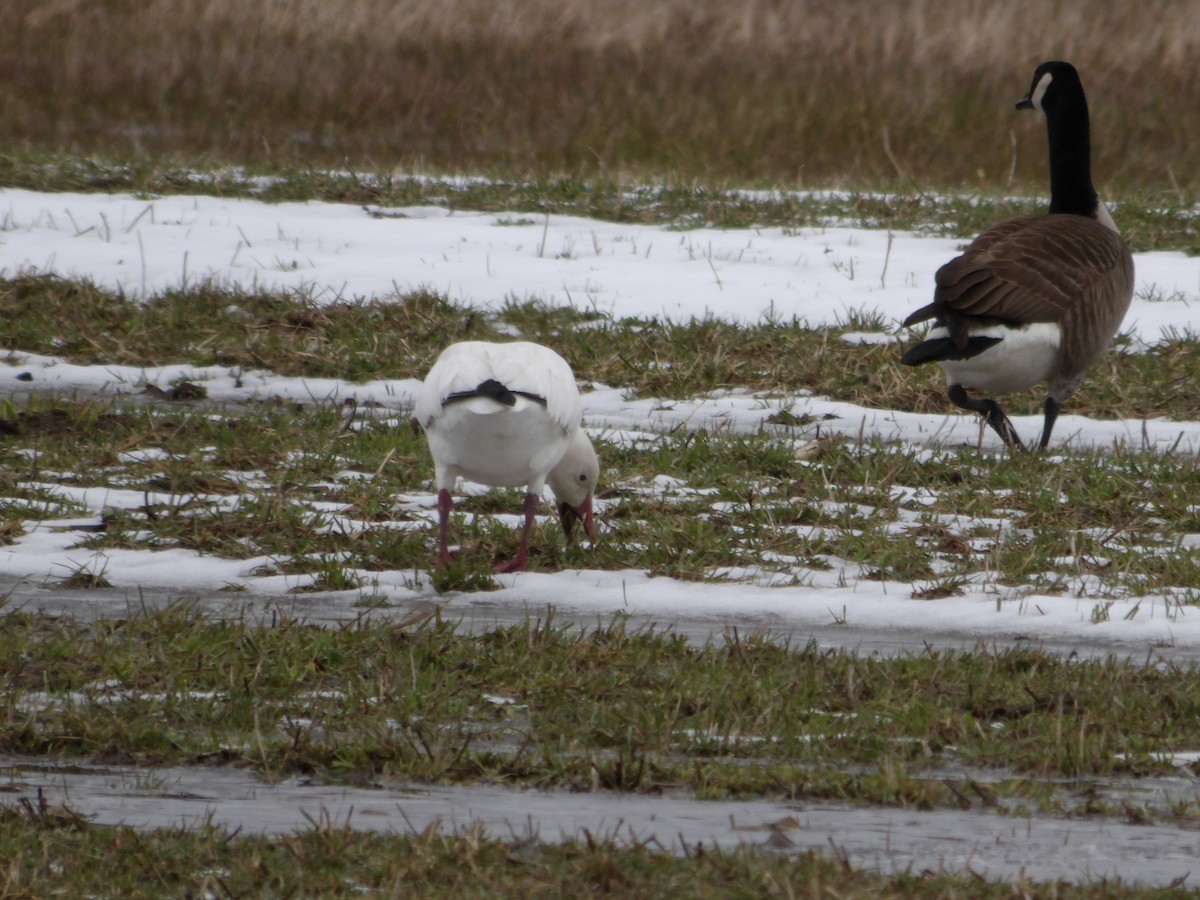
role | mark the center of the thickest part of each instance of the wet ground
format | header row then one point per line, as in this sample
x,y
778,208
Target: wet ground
x,y
476,612
992,844
989,844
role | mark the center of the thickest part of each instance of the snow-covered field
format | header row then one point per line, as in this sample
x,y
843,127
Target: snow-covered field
x,y
822,276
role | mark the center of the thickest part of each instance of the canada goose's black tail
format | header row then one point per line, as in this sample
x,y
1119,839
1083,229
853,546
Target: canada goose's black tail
x,y
938,349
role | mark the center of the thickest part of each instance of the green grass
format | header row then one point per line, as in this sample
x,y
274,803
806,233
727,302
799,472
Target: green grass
x,y
49,851
398,337
297,486
639,711
259,480
340,505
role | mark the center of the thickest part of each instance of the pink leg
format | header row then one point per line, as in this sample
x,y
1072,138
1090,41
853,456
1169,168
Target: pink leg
x,y
445,504
517,563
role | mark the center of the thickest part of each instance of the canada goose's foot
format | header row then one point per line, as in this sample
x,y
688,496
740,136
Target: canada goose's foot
x,y
1002,425
1052,408
992,412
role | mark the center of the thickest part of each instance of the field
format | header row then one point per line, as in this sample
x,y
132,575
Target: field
x,y
234,236
807,94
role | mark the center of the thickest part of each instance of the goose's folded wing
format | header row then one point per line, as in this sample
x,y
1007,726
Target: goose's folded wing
x,y
535,370
1032,269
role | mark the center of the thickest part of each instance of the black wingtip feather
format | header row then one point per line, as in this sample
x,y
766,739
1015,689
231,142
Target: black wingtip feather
x,y
944,348
926,351
491,389
494,390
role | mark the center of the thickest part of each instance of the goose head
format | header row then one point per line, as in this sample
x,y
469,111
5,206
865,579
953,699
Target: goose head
x,y
1054,83
1057,92
573,481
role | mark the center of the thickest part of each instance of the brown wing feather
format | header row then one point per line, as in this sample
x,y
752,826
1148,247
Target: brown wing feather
x,y
1048,268
1030,269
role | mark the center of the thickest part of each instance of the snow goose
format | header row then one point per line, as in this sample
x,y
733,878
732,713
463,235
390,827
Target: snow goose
x,y
508,415
1036,298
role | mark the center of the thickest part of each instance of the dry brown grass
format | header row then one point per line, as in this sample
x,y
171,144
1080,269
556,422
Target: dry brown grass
x,y
803,93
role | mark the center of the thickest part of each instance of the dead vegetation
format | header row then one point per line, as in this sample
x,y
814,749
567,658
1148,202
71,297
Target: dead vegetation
x,y
804,93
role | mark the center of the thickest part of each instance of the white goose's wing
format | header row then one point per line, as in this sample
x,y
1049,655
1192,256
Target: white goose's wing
x,y
460,367
532,370
529,370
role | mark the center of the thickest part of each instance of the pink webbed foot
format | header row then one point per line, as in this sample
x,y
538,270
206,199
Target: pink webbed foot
x,y
516,564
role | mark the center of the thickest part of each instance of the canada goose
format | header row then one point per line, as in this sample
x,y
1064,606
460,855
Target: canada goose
x,y
508,415
1036,298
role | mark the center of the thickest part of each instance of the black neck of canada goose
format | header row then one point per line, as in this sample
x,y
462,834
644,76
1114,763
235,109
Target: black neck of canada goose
x,y
1069,132
1071,189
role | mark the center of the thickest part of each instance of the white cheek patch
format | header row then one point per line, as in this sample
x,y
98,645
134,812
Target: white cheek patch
x,y
1039,91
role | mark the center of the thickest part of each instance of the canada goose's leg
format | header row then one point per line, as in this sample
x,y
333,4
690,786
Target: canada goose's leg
x,y
991,411
517,563
1001,424
1052,408
445,504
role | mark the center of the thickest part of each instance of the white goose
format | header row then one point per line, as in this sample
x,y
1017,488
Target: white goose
x,y
508,415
